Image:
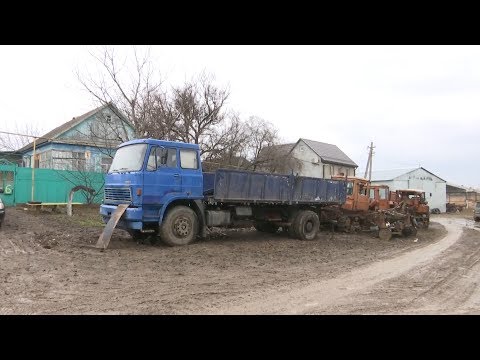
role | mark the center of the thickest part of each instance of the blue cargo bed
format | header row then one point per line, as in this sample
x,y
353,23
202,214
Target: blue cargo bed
x,y
254,187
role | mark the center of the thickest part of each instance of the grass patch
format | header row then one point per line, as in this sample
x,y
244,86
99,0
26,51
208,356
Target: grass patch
x,y
90,222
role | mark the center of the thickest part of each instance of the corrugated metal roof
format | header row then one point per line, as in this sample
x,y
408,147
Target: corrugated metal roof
x,y
384,175
329,152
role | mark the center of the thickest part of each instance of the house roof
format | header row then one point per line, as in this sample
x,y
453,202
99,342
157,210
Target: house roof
x,y
385,175
329,153
53,134
275,151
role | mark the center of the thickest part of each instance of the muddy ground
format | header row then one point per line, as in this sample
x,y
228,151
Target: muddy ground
x,y
48,266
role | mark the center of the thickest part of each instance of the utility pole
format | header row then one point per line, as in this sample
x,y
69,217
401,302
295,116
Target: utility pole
x,y
369,163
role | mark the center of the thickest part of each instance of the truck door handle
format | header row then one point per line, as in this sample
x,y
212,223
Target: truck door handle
x,y
176,175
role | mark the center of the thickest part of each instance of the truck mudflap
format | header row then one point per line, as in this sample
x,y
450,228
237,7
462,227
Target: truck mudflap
x,y
106,235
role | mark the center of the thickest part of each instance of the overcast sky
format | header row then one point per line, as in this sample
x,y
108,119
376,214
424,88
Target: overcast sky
x,y
418,104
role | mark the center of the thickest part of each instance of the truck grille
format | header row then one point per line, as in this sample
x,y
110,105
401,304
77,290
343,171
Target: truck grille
x,y
118,195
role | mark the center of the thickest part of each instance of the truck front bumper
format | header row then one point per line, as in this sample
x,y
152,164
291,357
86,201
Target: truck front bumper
x,y
131,218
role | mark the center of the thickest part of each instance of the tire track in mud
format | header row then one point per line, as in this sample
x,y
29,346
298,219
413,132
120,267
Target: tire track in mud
x,y
448,284
71,277
328,295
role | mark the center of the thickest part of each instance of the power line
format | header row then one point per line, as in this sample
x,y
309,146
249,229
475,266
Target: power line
x,y
18,134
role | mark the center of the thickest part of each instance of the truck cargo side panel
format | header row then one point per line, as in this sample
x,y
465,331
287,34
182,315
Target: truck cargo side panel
x,y
234,185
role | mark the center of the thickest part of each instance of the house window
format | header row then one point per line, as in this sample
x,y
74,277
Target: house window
x,y
106,162
78,161
67,160
45,159
327,171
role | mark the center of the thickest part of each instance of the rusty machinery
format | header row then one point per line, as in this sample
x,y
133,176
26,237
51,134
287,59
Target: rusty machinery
x,y
412,201
369,208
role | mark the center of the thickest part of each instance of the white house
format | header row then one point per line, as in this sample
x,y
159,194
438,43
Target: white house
x,y
310,158
418,178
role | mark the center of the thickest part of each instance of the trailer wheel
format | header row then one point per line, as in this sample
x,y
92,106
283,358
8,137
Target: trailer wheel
x,y
267,227
409,231
426,223
384,234
306,225
180,226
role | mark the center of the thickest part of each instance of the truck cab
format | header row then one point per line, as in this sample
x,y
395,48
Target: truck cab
x,y
358,193
149,176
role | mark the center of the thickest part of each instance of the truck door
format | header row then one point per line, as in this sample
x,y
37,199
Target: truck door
x,y
192,178
161,176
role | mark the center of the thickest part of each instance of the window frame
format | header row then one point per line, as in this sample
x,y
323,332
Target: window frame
x,y
197,165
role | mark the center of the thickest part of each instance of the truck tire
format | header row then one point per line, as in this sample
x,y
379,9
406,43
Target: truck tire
x,y
306,225
384,234
179,227
291,230
267,227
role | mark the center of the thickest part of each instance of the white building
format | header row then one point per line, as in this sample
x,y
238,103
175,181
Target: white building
x,y
419,178
308,158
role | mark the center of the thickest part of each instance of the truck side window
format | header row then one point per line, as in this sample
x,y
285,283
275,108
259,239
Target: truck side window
x,y
383,193
172,158
152,160
168,157
188,159
349,188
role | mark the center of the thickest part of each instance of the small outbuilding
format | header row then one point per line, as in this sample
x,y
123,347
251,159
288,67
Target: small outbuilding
x,y
462,196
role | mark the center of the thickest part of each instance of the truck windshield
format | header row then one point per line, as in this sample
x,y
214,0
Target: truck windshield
x,y
128,158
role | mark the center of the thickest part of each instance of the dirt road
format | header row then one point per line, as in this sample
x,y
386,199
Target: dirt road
x,y
441,278
48,266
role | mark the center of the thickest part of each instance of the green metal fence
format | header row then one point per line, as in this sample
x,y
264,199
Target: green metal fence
x,y
49,185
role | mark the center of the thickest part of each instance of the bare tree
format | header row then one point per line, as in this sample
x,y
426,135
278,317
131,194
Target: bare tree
x,y
10,142
196,108
79,173
226,146
268,154
195,112
261,135
132,95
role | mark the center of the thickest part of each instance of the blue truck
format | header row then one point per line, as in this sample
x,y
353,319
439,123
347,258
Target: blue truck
x,y
157,188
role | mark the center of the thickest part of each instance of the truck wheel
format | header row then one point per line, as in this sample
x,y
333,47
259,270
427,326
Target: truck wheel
x,y
306,225
409,231
179,227
267,227
384,234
